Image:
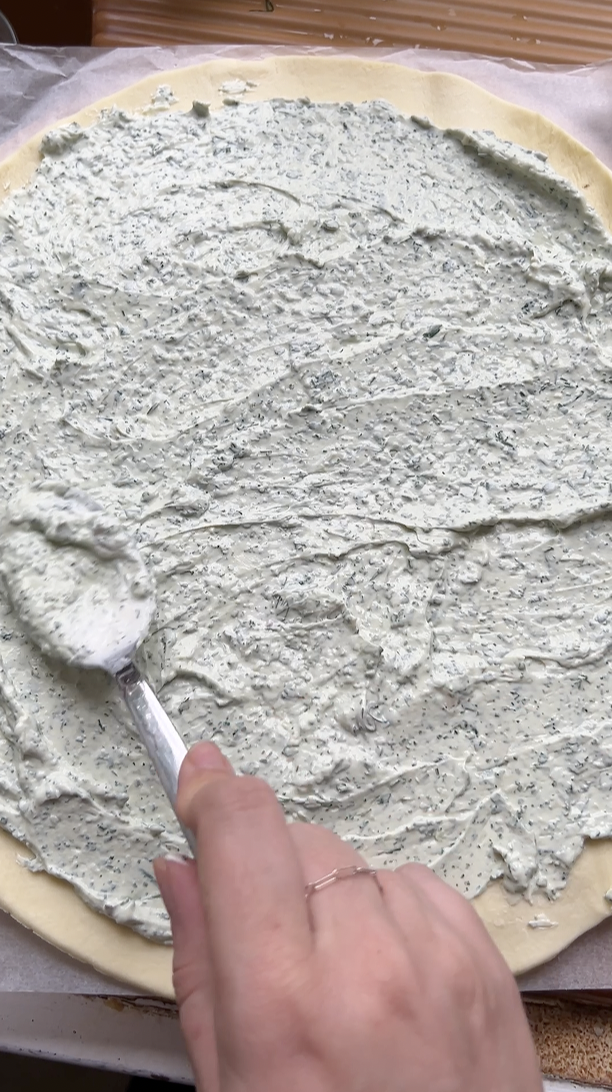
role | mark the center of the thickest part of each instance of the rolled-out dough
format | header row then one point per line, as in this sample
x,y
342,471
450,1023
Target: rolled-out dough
x,y
51,908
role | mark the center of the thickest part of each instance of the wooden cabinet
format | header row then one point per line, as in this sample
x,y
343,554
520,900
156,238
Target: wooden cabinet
x,y
555,31
49,22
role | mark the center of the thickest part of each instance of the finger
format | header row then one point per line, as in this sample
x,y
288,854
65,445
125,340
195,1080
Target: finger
x,y
337,910
411,910
456,910
202,756
463,927
457,919
250,876
178,883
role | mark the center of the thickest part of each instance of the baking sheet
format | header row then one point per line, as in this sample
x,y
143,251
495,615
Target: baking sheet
x,y
30,965
39,86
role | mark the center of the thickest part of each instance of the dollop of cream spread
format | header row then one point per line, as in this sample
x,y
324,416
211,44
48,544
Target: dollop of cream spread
x,y
348,379
74,578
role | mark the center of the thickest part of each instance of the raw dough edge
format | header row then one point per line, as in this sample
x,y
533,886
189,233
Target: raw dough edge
x,y
51,908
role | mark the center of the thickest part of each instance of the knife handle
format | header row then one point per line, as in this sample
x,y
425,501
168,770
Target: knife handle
x,y
161,739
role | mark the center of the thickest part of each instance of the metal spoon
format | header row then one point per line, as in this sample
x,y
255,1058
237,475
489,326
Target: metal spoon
x,y
78,583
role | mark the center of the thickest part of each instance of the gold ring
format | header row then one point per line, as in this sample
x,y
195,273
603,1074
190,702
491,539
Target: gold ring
x,y
340,874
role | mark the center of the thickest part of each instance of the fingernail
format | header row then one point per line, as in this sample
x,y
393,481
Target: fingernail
x,y
168,873
175,858
202,765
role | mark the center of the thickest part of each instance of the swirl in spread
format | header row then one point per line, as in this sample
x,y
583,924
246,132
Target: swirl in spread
x,y
348,380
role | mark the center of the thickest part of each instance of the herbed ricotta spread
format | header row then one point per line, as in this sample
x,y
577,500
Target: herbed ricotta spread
x,y
347,379
90,602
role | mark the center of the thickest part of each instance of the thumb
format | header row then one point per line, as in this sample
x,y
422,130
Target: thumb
x,y
202,764
178,882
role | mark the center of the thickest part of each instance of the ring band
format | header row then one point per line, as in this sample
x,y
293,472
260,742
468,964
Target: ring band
x,y
340,874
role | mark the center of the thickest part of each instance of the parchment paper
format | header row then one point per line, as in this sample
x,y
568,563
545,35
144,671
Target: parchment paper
x,y
42,85
39,86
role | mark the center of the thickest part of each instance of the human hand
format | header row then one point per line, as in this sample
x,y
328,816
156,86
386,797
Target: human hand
x,y
374,984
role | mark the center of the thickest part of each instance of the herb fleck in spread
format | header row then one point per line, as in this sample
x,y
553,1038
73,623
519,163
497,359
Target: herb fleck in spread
x,y
349,380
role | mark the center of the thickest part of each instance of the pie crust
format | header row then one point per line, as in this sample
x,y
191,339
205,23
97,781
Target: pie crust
x,y
50,907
